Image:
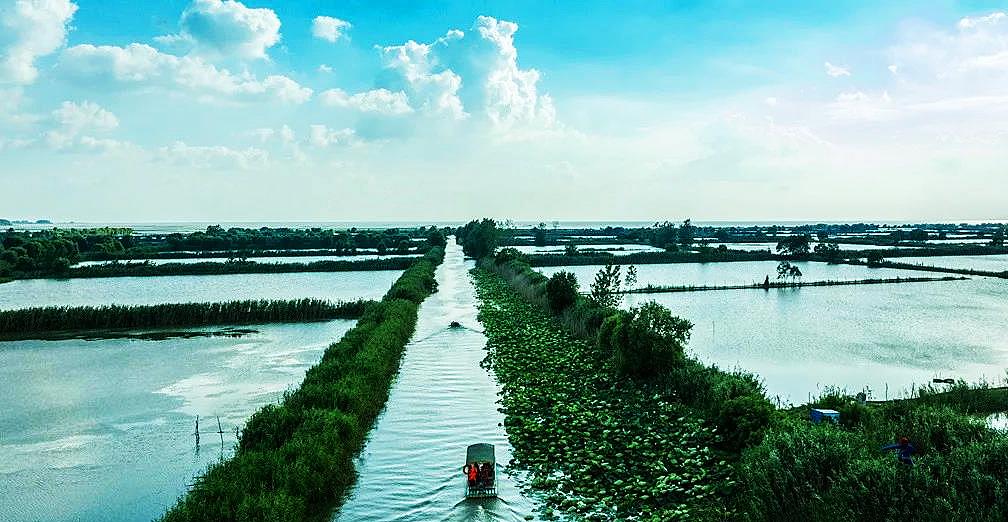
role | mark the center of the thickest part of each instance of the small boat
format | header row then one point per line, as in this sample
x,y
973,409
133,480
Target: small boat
x,y
481,471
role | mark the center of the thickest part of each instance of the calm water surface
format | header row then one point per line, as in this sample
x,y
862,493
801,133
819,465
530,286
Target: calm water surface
x,y
800,340
102,430
443,401
180,289
995,263
268,259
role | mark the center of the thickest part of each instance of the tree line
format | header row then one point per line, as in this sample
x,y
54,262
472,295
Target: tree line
x,y
31,323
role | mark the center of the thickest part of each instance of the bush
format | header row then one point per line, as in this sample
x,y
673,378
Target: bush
x,y
562,291
611,333
653,341
509,254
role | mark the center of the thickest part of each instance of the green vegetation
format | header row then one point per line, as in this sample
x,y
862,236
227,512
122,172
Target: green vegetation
x,y
51,253
561,291
35,323
294,459
603,439
478,238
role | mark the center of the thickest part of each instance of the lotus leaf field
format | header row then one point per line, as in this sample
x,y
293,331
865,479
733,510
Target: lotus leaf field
x,y
596,447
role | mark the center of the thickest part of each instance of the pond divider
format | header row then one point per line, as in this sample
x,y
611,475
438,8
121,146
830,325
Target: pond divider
x,y
650,289
294,459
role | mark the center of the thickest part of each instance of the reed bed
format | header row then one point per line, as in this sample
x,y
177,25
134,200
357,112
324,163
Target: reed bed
x,y
39,322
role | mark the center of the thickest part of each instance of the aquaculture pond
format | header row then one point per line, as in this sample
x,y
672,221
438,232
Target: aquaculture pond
x,y
269,259
442,401
176,289
883,337
734,273
103,430
616,250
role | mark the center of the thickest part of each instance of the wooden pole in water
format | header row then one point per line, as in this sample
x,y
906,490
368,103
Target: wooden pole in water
x,y
220,431
196,433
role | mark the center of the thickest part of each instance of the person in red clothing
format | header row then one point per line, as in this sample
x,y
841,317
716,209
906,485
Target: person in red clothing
x,y
472,473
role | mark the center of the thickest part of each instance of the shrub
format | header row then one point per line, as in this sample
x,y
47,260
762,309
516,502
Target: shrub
x,y
562,291
654,341
508,254
611,333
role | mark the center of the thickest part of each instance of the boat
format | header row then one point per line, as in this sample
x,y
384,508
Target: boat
x,y
480,471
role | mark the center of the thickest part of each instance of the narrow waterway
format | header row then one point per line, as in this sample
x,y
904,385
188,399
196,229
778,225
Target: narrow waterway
x,y
442,401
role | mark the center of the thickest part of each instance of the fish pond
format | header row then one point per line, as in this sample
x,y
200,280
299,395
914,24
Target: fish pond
x,y
884,338
178,289
103,430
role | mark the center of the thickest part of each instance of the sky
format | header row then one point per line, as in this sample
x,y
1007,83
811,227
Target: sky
x,y
367,110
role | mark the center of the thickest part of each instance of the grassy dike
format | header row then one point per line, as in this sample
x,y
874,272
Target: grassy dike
x,y
597,447
294,459
54,321
699,443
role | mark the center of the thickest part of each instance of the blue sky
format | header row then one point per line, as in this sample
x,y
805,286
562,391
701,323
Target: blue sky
x,y
218,110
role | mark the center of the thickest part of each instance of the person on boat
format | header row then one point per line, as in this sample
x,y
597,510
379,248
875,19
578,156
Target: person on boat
x,y
486,475
904,450
471,472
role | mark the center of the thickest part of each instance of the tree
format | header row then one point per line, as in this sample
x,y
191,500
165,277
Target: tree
x,y
875,258
479,238
686,235
539,235
570,249
829,251
783,269
649,341
795,245
508,254
631,277
997,239
794,273
605,289
561,291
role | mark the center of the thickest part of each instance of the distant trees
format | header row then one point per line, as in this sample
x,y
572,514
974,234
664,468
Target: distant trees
x,y
478,238
795,245
997,239
605,289
561,291
829,251
686,235
875,259
539,235
571,250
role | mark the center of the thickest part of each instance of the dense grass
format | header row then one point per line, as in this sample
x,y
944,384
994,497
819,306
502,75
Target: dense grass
x,y
776,464
32,323
230,267
659,289
294,459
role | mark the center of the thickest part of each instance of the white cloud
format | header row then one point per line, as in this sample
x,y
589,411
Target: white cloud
x,y
329,29
217,156
771,101
836,71
142,65
976,21
893,68
478,73
322,136
323,68
225,29
381,101
30,29
71,120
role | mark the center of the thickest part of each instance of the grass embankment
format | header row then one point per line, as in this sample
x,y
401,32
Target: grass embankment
x,y
57,321
939,269
294,459
598,443
218,268
649,258
655,289
241,254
